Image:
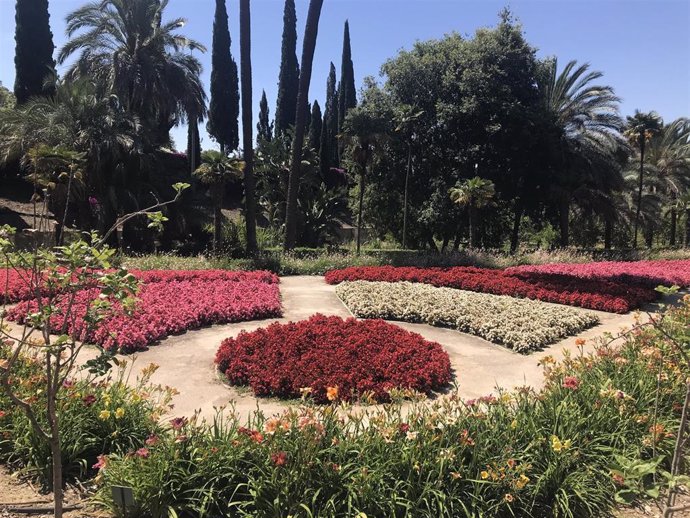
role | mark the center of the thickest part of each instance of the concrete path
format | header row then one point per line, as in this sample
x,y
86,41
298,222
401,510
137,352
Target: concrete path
x,y
186,361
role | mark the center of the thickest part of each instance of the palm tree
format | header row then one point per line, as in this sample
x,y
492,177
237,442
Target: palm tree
x,y
667,166
125,46
247,141
641,128
363,131
475,193
309,45
588,125
215,170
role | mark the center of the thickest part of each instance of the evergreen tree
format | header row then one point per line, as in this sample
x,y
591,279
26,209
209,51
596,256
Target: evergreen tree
x,y
224,110
264,128
288,80
347,95
307,124
33,59
328,151
315,128
193,145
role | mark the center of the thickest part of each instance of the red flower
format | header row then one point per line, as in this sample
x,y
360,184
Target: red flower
x,y
279,459
89,400
102,462
178,423
571,382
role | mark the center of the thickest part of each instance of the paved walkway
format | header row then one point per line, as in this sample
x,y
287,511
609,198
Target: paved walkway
x,y
186,361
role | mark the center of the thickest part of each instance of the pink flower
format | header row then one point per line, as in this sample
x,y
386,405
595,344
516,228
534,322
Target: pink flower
x,y
142,452
178,423
102,462
279,459
89,400
571,382
152,440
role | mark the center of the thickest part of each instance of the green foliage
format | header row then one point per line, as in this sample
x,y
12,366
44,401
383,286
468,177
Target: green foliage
x,y
224,109
347,92
328,150
264,128
33,59
288,79
315,127
568,450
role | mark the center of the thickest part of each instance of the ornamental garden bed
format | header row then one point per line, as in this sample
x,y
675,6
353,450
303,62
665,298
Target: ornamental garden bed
x,y
519,324
168,302
643,273
330,358
599,294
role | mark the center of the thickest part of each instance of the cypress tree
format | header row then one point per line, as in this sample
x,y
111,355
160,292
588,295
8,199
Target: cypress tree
x,y
264,128
328,151
347,95
307,124
224,110
33,59
288,80
316,127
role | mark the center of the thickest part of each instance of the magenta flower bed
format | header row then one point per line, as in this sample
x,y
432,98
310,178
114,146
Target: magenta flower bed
x,y
604,295
644,273
333,359
171,303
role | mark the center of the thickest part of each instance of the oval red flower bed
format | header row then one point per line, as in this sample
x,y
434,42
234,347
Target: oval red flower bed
x,y
349,357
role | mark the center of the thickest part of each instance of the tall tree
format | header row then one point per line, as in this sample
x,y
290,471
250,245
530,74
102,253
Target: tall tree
x,y
247,124
264,128
193,145
126,46
347,95
309,45
315,127
288,80
328,151
641,128
33,59
224,109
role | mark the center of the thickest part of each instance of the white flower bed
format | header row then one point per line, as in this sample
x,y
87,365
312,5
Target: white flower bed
x,y
520,324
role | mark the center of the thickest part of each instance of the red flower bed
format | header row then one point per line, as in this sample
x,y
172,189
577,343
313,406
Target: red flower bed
x,y
644,273
333,358
604,295
173,302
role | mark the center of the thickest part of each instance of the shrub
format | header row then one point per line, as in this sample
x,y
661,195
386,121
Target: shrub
x,y
168,303
349,357
558,452
99,418
644,273
597,294
522,325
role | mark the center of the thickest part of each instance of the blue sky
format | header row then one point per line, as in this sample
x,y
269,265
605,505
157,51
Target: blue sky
x,y
642,46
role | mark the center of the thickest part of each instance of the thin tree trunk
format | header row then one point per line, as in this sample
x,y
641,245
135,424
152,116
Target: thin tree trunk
x,y
515,232
565,221
310,33
674,225
456,243
430,241
218,220
471,217
649,237
639,194
360,207
247,128
687,228
444,245
608,233
407,183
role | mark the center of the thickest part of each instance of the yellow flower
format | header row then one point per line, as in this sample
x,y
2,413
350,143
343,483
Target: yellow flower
x,y
119,412
484,475
514,424
104,414
558,446
522,481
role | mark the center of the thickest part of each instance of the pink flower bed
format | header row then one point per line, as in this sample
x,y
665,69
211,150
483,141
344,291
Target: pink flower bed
x,y
170,303
600,294
644,273
332,359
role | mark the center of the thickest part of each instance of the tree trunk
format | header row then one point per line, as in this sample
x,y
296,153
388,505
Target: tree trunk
x,y
674,225
444,245
218,220
649,237
56,453
360,206
456,243
565,221
472,216
310,32
247,128
429,235
407,183
515,233
639,194
608,233
687,228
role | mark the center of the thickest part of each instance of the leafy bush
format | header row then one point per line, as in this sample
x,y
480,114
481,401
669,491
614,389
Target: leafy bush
x,y
168,302
332,358
573,449
522,325
598,294
99,418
